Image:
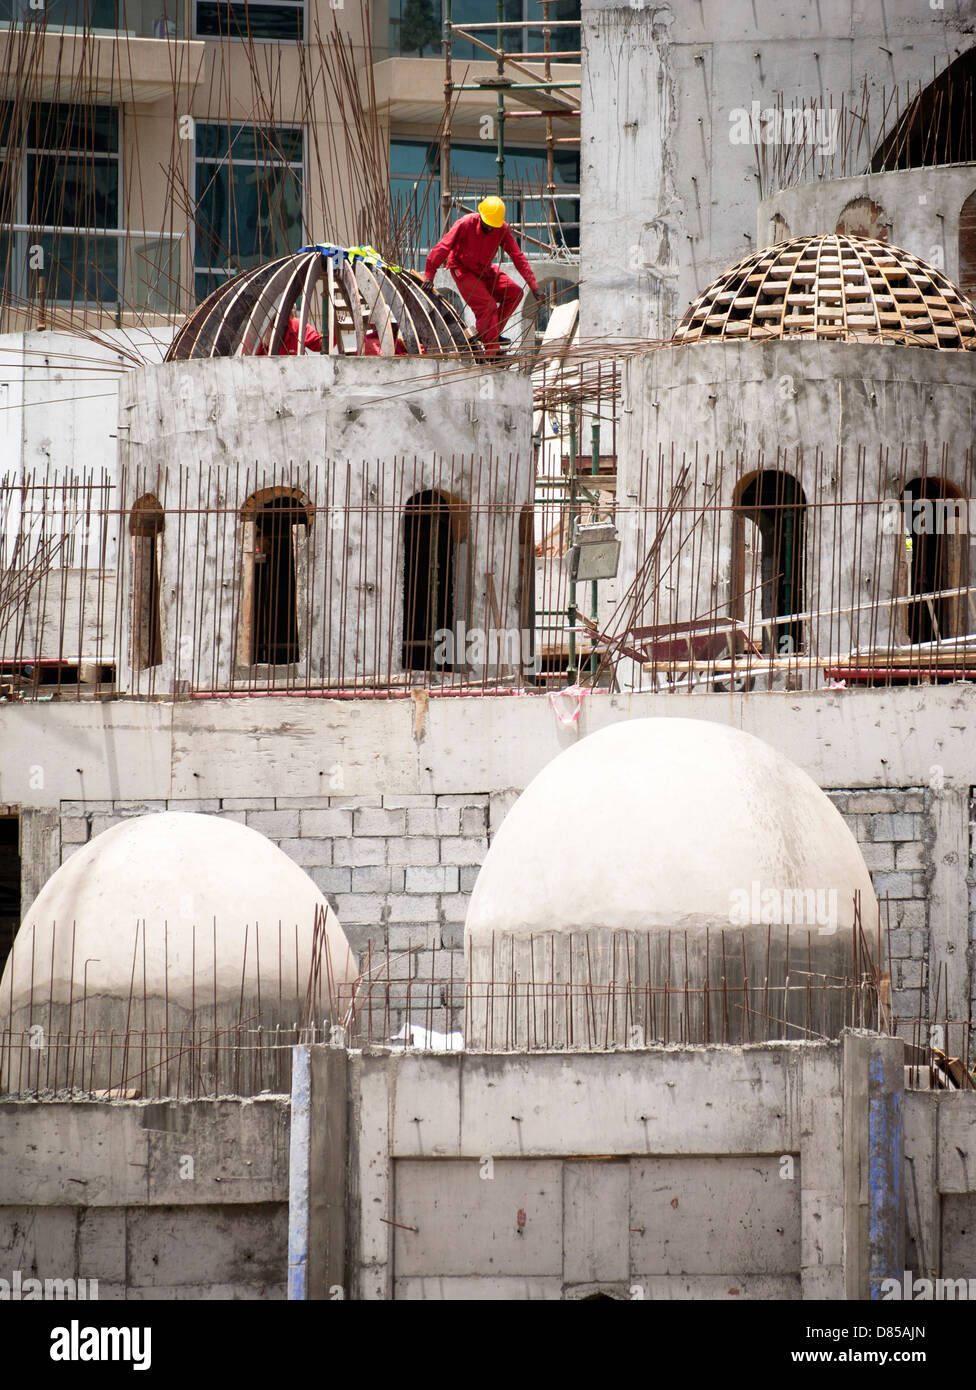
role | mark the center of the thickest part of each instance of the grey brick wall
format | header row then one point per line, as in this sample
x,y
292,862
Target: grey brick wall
x,y
399,870
895,832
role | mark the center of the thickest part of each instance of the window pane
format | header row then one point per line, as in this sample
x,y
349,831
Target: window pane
x,y
284,22
65,191
54,126
246,142
64,14
246,213
81,269
473,173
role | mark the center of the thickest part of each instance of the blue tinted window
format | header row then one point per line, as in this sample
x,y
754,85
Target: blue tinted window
x,y
416,27
283,20
249,187
62,167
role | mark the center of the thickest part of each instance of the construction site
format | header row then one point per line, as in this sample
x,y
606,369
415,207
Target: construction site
x,y
477,811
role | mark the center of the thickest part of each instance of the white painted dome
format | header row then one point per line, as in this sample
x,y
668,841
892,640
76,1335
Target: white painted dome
x,y
660,823
133,914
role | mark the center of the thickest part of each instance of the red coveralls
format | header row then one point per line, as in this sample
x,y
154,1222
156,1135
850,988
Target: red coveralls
x,y
373,348
469,251
289,342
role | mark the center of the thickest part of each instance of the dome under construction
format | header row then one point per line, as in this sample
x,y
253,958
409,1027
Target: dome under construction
x,y
323,299
833,287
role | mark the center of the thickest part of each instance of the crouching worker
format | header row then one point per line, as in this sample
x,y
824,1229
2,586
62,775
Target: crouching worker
x,y
468,248
289,341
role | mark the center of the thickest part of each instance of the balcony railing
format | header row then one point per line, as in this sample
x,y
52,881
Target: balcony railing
x,y
139,19
115,269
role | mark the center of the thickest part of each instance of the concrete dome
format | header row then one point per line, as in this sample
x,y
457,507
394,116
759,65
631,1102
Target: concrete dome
x,y
836,287
174,921
676,831
654,823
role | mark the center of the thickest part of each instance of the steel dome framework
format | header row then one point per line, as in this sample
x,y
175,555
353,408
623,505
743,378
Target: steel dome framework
x,y
833,287
343,293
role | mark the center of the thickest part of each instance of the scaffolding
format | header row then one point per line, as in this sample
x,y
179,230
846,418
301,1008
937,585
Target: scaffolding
x,y
525,80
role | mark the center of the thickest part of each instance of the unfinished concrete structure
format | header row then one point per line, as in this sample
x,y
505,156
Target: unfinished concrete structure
x,y
707,891
813,413
171,944
690,112
392,803
268,558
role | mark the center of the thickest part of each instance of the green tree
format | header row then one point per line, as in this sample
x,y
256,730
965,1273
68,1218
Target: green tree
x,y
420,28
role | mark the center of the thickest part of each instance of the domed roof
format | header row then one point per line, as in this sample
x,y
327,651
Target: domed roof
x,y
183,904
662,824
353,290
835,287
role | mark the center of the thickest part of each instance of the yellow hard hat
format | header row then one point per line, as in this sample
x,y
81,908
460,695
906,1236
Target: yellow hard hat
x,y
492,211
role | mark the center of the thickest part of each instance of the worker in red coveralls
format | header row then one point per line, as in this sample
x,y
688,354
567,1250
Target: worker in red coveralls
x,y
289,342
469,248
374,348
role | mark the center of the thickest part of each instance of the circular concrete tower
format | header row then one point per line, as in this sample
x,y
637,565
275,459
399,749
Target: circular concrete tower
x,y
811,417
668,880
171,946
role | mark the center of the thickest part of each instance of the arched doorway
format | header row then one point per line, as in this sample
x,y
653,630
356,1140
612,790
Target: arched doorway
x,y
768,559
935,559
433,529
276,522
147,523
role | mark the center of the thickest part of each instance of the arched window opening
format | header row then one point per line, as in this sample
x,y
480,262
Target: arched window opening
x,y
433,530
934,559
146,526
967,246
275,531
779,229
863,217
526,590
768,565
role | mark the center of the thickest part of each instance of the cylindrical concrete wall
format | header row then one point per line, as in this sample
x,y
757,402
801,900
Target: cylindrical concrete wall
x,y
918,209
350,442
851,424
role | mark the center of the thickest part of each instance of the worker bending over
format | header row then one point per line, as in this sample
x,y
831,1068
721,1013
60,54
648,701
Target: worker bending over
x,y
468,248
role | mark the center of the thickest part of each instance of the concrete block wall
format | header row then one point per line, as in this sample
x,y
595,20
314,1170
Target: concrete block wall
x,y
179,1199
399,871
895,832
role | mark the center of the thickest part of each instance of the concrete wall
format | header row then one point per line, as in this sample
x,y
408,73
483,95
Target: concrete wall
x,y
669,202
666,1173
852,423
920,208
434,788
940,1184
359,438
173,1200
